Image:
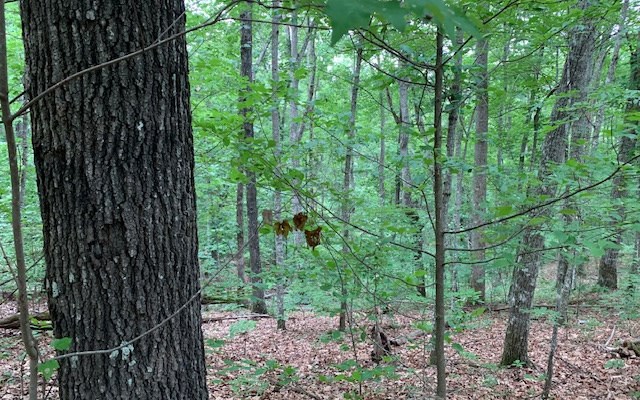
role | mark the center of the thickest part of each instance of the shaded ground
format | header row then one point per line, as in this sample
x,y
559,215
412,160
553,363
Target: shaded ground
x,y
254,361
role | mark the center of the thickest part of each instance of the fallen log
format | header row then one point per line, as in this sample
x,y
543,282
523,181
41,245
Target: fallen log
x,y
39,321
233,317
629,348
42,321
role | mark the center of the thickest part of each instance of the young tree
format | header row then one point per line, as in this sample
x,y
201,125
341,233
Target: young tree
x,y
348,183
480,169
246,71
275,129
114,159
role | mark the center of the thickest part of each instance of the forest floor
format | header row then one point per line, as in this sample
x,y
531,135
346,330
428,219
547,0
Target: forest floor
x,y
252,360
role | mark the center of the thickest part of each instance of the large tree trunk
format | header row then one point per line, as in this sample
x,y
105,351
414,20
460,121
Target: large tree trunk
x,y
580,132
258,305
114,161
480,167
574,78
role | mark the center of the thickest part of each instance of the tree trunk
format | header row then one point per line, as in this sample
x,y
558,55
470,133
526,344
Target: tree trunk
x,y
258,305
381,158
607,270
17,196
114,160
580,130
611,71
239,256
480,169
277,195
441,389
574,78
347,186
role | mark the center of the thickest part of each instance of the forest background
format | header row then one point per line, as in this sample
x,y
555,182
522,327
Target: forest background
x,y
384,157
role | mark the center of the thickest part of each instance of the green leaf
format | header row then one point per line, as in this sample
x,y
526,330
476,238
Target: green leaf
x,y
61,344
48,368
345,15
503,211
215,343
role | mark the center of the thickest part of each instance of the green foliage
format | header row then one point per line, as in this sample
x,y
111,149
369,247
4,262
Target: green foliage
x,y
61,344
48,368
615,363
240,327
353,14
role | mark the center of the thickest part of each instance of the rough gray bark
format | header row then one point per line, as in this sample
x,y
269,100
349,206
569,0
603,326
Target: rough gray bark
x,y
114,160
258,304
477,282
607,269
575,77
580,130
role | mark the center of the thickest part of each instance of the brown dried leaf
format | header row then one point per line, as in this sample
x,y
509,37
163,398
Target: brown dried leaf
x,y
282,228
313,237
299,220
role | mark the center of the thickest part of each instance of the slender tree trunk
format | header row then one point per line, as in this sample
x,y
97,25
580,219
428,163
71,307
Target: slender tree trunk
x,y
454,142
441,390
398,175
480,170
607,270
114,159
574,78
455,99
17,199
611,71
22,132
504,117
295,133
246,71
277,195
405,179
347,187
239,257
381,158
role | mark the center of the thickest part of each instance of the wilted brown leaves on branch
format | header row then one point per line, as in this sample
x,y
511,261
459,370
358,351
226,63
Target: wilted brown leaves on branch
x,y
299,220
313,237
282,228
